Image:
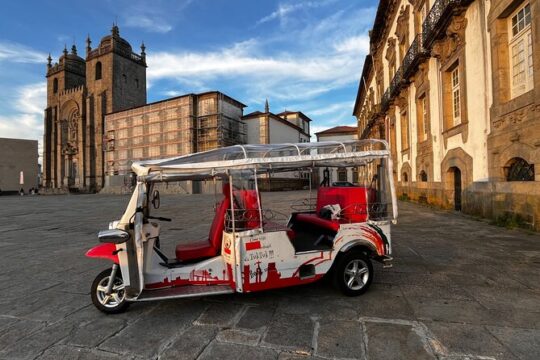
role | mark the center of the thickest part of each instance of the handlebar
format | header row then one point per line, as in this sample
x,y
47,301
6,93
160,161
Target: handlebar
x,y
158,218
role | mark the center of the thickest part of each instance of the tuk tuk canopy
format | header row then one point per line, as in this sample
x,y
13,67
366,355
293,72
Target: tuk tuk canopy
x,y
262,158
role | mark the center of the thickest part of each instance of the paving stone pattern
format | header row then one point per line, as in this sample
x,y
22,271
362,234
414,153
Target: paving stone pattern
x,y
459,289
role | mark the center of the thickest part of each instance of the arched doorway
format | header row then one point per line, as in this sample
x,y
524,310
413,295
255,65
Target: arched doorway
x,y
455,177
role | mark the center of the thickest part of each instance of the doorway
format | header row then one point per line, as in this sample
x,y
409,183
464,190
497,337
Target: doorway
x,y
457,187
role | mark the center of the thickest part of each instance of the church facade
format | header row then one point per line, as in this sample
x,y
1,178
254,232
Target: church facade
x,y
80,92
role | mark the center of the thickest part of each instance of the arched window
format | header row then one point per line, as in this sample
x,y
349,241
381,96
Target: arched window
x,y
423,176
98,70
55,85
125,78
517,169
404,177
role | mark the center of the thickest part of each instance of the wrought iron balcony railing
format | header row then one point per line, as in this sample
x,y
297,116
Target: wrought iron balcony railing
x,y
438,18
397,81
412,59
385,100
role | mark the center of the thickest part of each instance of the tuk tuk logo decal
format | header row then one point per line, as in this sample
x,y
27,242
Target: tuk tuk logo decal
x,y
259,255
227,246
196,277
273,278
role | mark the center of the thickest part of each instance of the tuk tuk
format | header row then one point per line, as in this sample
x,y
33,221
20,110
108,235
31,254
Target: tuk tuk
x,y
337,231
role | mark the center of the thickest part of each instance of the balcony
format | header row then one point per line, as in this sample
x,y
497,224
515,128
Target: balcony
x,y
438,18
416,53
395,84
385,100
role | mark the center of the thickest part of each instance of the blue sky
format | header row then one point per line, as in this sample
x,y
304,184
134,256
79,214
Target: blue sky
x,y
301,55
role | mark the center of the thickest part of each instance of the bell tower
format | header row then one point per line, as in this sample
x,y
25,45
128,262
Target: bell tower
x,y
64,118
115,81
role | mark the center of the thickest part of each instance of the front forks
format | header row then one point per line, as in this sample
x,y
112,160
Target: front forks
x,y
110,285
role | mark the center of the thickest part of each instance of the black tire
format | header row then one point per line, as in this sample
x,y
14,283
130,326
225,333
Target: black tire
x,y
113,307
343,272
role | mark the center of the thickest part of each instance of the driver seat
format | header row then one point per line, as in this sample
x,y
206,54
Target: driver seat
x,y
212,246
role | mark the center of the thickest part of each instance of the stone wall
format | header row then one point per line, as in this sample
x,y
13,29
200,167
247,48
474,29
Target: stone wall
x,y
519,200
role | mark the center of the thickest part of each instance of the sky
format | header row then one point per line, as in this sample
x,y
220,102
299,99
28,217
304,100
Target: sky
x,y
303,55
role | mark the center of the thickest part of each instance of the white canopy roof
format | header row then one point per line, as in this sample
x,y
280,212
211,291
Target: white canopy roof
x,y
262,158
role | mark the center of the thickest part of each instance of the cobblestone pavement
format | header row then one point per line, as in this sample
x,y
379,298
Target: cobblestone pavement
x,y
459,289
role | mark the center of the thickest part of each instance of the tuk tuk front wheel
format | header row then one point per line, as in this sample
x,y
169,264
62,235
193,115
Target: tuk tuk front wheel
x,y
112,303
353,273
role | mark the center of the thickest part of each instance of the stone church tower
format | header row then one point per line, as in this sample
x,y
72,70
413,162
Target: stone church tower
x,y
80,92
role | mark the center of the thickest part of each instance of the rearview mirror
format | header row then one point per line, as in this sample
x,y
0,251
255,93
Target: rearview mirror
x,y
155,199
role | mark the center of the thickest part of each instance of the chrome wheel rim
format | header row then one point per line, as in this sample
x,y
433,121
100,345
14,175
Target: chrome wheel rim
x,y
356,274
117,295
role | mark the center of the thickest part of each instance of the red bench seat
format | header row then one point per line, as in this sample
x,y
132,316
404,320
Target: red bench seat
x,y
313,219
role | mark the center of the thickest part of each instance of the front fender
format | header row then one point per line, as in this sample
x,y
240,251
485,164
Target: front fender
x,y
104,251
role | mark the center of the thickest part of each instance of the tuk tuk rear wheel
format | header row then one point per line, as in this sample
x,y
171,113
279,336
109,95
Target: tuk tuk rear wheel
x,y
113,303
353,273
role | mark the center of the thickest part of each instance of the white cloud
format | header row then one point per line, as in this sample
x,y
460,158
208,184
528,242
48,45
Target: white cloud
x,y
355,44
150,24
286,75
27,120
333,108
283,10
152,16
18,53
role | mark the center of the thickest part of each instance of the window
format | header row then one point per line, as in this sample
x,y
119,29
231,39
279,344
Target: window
x,y
423,176
342,174
518,169
137,83
404,131
456,103
521,63
124,77
55,85
404,177
422,116
98,70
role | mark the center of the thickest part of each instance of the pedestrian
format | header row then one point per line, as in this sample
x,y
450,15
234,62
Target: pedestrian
x,y
21,192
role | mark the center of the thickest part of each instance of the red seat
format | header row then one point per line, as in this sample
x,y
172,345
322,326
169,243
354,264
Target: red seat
x,y
247,201
313,219
212,246
352,201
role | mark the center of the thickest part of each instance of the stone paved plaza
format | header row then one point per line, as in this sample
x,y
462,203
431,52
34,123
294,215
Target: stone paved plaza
x,y
459,289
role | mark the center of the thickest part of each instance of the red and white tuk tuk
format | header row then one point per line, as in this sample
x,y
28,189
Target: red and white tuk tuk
x,y
248,249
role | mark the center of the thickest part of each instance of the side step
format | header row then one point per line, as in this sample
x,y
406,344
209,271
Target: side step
x,y
387,262
186,291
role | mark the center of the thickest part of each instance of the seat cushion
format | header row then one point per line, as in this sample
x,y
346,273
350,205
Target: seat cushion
x,y
195,250
314,220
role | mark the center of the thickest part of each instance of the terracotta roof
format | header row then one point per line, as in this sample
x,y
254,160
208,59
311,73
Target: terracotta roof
x,y
286,112
252,114
338,130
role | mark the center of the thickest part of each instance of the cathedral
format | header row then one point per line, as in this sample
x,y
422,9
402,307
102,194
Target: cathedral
x,y
80,91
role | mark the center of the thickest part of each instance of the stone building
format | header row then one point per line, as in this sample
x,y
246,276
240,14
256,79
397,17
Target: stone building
x,y
18,161
339,133
285,127
178,126
269,128
454,87
79,94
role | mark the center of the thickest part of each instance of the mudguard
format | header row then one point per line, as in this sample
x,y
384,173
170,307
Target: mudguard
x,y
371,236
104,251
